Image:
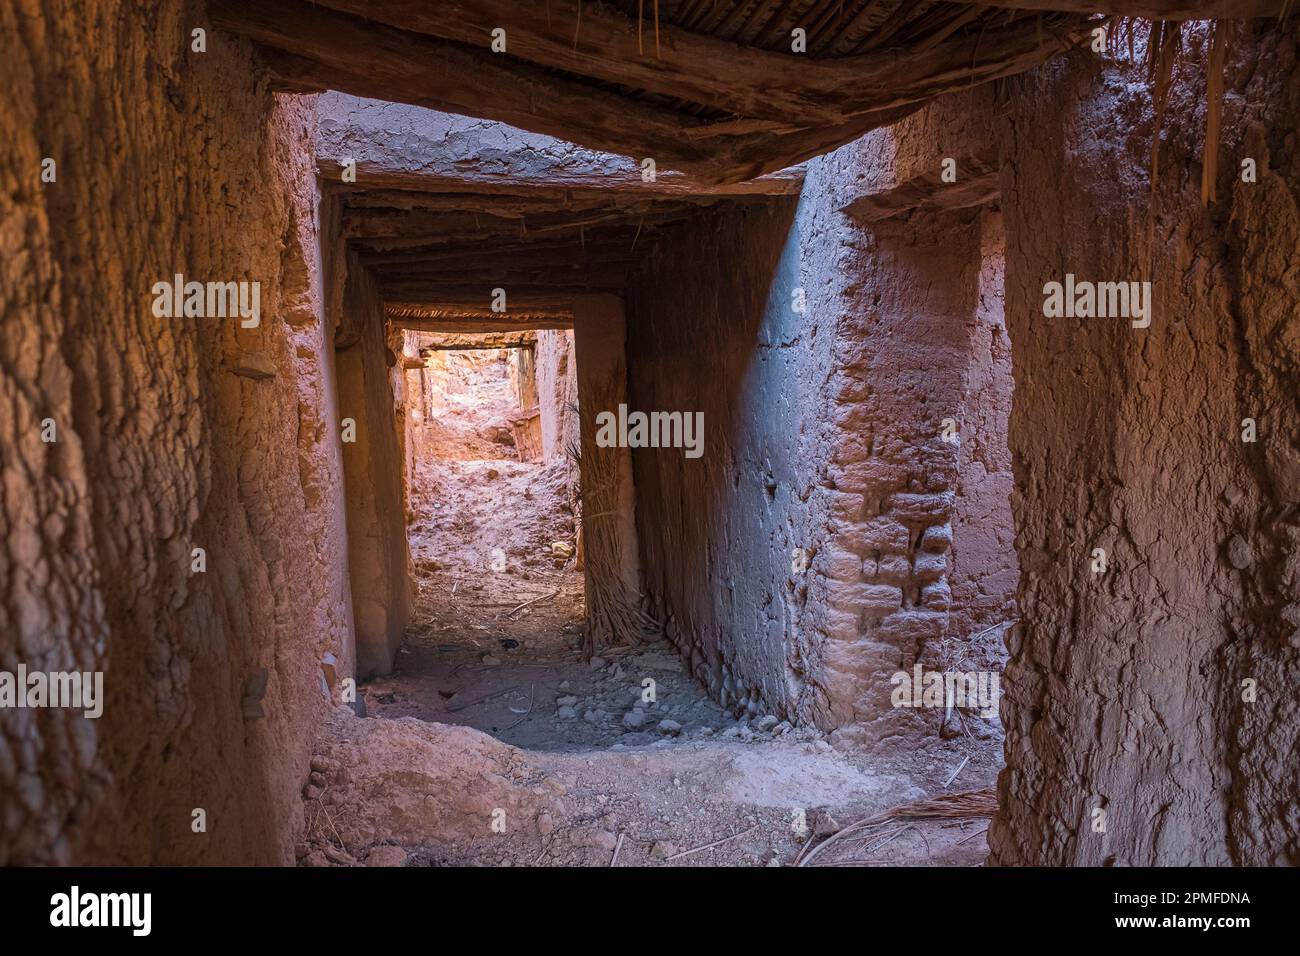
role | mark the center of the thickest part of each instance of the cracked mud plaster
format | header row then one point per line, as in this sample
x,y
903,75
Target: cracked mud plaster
x,y
168,161
1123,689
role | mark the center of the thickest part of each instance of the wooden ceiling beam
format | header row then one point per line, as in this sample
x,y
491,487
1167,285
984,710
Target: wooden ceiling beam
x,y
755,83
453,342
978,185
471,259
327,50
475,296
1151,9
993,55
419,317
597,276
787,181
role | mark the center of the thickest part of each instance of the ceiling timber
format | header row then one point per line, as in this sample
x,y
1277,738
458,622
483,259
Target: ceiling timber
x,y
439,256
710,88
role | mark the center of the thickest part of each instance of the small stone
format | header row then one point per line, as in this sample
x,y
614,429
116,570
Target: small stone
x,y
670,727
634,718
662,850
566,701
491,661
766,723
593,837
341,857
386,856
566,713
745,733
545,824
732,731
784,727
312,791
821,823
1240,555
596,663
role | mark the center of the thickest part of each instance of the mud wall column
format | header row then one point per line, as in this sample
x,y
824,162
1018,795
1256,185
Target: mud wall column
x,y
613,578
903,354
1158,549
172,496
984,574
378,552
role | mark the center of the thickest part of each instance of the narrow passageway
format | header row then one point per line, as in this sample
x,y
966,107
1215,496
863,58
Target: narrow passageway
x,y
496,636
690,433
646,763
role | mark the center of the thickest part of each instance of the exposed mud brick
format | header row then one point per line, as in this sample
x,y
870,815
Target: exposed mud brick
x,y
937,539
883,533
922,507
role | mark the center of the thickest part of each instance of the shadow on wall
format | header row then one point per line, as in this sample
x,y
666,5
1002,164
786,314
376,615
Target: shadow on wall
x,y
711,329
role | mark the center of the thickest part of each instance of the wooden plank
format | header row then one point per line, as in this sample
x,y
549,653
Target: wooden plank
x,y
330,50
1153,9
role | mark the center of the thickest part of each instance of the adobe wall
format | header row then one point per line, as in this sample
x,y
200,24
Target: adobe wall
x,y
717,531
1124,691
984,571
557,386
823,431
172,433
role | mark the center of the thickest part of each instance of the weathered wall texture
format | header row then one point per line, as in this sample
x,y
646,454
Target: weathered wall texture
x,y
378,551
823,432
717,532
613,579
557,387
1125,688
984,573
172,434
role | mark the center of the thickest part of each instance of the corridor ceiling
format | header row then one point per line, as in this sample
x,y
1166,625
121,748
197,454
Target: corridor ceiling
x,y
708,87
438,256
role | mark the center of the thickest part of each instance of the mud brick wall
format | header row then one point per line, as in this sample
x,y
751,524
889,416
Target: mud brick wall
x,y
1124,691
171,434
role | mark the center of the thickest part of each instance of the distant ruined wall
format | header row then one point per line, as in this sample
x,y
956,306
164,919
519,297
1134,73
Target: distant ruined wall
x,y
1124,691
172,434
557,386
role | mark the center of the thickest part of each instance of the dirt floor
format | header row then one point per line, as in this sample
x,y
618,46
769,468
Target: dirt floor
x,y
620,757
